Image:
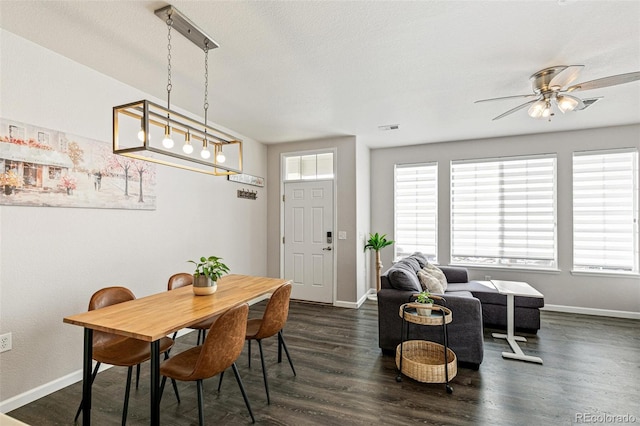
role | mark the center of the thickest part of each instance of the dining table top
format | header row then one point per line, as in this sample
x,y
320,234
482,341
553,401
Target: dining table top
x,y
158,315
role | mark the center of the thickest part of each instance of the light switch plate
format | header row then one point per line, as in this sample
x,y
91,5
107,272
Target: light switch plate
x,y
342,235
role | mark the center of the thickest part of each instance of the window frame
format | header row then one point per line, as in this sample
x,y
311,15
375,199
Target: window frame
x,y
432,257
602,269
506,260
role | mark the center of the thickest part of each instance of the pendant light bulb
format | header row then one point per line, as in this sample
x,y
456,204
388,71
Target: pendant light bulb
x,y
187,148
220,157
167,142
141,133
205,152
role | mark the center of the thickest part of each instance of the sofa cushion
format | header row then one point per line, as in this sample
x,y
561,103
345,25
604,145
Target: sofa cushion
x,y
430,282
487,294
421,258
402,276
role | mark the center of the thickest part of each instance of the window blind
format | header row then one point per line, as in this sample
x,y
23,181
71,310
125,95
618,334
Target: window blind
x,y
416,210
605,211
503,212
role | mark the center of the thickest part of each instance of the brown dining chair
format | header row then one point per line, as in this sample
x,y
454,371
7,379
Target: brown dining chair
x,y
183,279
118,350
272,322
219,351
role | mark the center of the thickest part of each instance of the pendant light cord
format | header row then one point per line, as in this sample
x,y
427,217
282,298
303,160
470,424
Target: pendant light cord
x,y
169,85
206,84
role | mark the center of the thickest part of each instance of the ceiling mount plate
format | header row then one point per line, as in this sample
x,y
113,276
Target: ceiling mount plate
x,y
184,26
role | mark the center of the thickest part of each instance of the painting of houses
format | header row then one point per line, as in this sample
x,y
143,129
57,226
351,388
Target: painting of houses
x,y
44,167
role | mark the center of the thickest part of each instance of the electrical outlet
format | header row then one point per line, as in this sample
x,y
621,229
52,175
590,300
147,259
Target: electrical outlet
x,y
5,342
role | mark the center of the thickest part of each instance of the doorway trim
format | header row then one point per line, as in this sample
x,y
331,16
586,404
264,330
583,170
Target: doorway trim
x,y
283,155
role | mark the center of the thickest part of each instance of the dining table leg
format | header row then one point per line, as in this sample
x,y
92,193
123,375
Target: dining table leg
x,y
86,376
155,383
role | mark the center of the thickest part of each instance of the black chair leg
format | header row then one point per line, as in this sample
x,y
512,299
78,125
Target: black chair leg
x,y
264,372
126,396
200,403
220,381
286,351
137,375
244,394
249,348
93,377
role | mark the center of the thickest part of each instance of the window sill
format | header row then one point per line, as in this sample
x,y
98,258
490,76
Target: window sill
x,y
608,274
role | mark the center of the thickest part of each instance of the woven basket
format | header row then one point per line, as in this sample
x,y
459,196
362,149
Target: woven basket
x,y
424,361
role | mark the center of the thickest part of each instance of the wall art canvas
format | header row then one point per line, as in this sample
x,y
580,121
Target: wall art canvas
x,y
49,168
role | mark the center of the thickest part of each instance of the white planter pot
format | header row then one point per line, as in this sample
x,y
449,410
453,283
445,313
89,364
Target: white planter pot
x,y
203,285
423,311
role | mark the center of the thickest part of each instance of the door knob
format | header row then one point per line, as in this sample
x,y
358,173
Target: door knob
x,y
327,248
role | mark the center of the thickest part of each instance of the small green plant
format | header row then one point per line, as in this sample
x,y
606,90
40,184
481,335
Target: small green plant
x,y
377,242
424,297
211,267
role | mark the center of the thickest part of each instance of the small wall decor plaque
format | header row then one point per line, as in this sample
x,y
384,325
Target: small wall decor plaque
x,y
246,178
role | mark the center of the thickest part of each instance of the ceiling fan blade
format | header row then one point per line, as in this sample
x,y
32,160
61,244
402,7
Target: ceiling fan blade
x,y
612,80
566,76
512,110
532,95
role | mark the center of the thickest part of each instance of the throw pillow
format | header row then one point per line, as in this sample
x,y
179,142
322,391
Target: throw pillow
x,y
437,272
421,258
402,277
429,282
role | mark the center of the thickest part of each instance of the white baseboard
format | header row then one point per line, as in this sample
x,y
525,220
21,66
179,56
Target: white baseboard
x,y
53,386
591,311
354,305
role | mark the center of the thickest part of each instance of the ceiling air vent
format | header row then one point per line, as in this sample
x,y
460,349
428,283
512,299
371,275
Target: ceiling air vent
x,y
389,127
588,102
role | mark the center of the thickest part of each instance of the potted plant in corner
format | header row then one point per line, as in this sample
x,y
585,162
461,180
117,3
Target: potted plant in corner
x,y
424,298
377,242
206,275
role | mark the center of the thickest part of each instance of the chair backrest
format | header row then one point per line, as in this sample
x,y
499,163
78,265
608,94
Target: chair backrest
x,y
223,344
178,280
276,312
106,297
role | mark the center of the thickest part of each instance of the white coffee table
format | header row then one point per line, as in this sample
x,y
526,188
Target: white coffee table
x,y
511,289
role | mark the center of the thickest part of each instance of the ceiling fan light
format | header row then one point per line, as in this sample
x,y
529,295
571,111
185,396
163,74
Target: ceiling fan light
x,y
567,103
536,110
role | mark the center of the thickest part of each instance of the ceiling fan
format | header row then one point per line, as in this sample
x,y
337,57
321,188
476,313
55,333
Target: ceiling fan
x,y
551,87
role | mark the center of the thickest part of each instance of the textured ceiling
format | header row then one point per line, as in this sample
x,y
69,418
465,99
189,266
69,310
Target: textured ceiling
x,y
298,70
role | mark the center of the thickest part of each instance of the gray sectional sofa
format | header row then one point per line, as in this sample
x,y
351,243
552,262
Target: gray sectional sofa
x,y
475,304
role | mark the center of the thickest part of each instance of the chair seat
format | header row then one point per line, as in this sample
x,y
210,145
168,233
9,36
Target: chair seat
x,y
253,326
128,351
181,366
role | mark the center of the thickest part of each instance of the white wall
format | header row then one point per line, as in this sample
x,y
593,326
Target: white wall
x,y
53,259
609,293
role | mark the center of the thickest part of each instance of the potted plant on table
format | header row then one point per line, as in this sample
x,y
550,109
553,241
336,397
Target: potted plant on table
x,y
208,271
377,242
425,299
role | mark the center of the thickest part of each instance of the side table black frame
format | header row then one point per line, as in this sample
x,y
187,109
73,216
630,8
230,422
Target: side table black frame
x,y
438,310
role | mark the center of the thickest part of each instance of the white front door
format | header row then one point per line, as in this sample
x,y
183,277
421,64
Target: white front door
x,y
308,240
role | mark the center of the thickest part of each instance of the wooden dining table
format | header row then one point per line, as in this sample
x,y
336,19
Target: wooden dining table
x,y
154,317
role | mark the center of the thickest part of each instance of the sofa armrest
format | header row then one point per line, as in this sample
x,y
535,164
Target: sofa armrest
x,y
455,274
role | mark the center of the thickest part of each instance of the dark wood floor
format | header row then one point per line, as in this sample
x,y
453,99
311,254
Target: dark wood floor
x,y
591,367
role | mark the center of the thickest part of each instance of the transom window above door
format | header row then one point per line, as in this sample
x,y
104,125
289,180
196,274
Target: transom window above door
x,y
308,167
